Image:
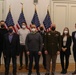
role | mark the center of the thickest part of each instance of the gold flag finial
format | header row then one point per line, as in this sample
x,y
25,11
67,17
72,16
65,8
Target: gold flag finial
x,y
22,6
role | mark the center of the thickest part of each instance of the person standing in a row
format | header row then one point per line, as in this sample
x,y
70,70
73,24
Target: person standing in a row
x,y
43,32
65,50
11,50
52,48
3,31
22,32
34,47
74,47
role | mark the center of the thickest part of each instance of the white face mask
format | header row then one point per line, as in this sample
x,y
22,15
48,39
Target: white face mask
x,y
65,32
33,29
23,26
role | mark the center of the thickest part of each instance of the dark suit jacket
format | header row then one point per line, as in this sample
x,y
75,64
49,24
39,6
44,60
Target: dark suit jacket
x,y
68,45
11,49
43,35
2,33
53,42
74,40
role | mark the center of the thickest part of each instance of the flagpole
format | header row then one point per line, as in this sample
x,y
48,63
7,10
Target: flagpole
x,y
35,7
9,7
22,6
48,8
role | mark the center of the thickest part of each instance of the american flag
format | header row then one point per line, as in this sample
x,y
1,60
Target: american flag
x,y
20,21
35,19
9,20
47,21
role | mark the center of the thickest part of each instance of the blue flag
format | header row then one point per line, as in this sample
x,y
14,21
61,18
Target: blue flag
x,y
35,19
9,20
21,18
47,21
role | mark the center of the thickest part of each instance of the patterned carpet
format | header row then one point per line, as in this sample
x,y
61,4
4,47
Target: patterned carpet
x,y
70,73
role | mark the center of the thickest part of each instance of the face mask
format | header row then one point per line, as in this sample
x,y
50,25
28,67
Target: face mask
x,y
33,29
53,28
23,26
65,32
41,28
10,30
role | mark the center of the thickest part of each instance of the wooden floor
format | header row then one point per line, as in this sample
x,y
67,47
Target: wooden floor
x,y
58,68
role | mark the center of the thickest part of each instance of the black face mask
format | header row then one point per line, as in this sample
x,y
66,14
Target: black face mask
x,y
41,28
53,28
10,30
2,26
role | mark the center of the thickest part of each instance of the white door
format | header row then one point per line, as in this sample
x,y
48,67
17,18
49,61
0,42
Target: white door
x,y
64,15
60,16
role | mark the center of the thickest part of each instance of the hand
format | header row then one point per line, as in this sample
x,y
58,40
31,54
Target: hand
x,y
17,56
46,52
58,52
39,53
28,53
64,49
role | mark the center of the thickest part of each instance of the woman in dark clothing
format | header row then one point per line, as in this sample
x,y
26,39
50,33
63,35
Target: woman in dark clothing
x,y
65,50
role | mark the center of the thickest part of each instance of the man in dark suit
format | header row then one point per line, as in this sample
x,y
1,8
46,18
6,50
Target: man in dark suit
x,y
74,48
3,31
11,49
52,48
43,32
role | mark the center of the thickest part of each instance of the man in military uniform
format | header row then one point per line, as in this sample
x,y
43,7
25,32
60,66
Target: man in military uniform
x,y
52,48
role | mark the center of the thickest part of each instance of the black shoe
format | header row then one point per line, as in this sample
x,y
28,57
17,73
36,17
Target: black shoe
x,y
62,72
65,71
20,67
44,67
74,72
47,74
34,67
38,73
14,74
29,73
52,73
26,68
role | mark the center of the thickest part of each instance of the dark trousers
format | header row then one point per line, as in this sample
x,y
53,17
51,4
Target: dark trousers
x,y
74,54
44,58
33,54
8,59
23,50
65,57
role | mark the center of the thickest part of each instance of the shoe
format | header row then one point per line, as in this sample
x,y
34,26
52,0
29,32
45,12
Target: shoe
x,y
44,67
52,73
29,73
62,72
65,71
26,68
20,67
47,74
34,67
38,73
74,72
